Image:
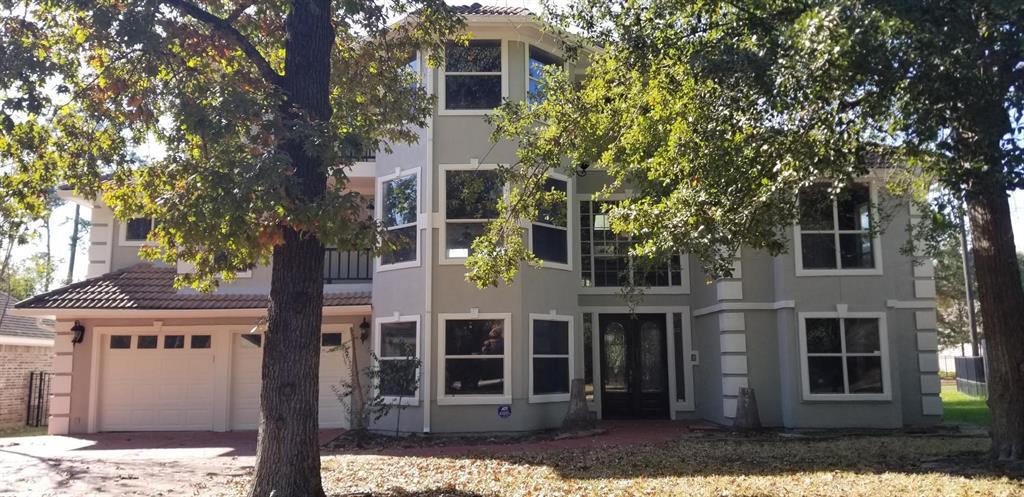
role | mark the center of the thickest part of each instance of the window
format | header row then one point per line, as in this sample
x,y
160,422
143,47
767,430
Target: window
x,y
147,342
120,341
550,357
472,78
397,347
475,358
174,342
330,340
199,341
537,60
135,231
588,356
471,199
399,209
680,346
836,233
605,259
549,235
844,358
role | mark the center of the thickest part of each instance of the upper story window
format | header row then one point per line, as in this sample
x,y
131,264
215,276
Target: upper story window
x,y
472,76
836,233
399,209
537,60
549,235
844,358
471,199
605,259
135,231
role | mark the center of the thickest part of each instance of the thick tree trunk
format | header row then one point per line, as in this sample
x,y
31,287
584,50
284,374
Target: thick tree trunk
x,y
287,454
1002,298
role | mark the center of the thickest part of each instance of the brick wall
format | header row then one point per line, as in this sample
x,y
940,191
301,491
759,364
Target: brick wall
x,y
16,362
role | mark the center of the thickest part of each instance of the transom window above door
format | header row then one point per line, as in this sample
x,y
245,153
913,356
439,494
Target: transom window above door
x,y
605,259
836,233
472,79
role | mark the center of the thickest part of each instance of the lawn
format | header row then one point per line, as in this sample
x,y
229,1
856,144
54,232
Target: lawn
x,y
960,408
694,465
23,431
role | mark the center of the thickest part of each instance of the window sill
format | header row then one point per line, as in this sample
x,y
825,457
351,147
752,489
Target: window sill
x,y
831,398
838,272
465,112
134,243
403,401
555,265
615,290
544,399
470,400
398,265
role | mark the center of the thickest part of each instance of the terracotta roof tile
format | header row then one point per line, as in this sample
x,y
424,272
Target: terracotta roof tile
x,y
145,286
489,10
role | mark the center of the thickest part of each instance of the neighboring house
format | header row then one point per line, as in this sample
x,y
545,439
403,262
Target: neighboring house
x,y
26,346
838,333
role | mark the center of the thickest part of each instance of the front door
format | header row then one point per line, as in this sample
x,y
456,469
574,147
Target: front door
x,y
634,366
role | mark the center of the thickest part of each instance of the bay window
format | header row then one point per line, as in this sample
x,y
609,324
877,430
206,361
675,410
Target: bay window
x,y
399,209
537,60
549,235
472,79
471,199
551,362
475,359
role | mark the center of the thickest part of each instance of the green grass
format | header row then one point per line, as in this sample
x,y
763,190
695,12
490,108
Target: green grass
x,y
960,408
24,431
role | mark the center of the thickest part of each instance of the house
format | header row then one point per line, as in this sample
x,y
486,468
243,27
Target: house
x,y
840,332
26,346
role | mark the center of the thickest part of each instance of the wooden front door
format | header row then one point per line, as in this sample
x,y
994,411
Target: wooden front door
x,y
634,366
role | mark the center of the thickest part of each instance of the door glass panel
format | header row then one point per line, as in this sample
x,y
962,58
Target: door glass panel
x,y
615,358
652,357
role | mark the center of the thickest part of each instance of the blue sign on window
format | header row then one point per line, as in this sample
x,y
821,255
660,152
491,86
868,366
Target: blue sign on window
x,y
504,411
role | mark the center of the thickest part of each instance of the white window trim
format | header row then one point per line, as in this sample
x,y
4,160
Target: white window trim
x,y
378,208
526,59
443,258
506,396
569,226
377,322
122,238
683,288
883,340
876,243
571,356
442,104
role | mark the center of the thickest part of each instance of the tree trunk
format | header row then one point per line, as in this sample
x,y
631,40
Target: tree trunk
x,y
288,454
74,244
1001,297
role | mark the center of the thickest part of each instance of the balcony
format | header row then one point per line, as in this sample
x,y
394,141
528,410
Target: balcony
x,y
360,154
347,266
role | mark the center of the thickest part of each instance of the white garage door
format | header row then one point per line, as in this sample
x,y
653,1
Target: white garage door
x,y
156,382
245,381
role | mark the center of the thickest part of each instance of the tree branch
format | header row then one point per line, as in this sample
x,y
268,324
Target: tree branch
x,y
239,10
230,32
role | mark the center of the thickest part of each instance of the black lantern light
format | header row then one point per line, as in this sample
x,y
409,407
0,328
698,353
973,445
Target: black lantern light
x,y
364,330
79,332
581,170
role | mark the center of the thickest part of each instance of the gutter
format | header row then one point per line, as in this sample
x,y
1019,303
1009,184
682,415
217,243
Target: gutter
x,y
342,310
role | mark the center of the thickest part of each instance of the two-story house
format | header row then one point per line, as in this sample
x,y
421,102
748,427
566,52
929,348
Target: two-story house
x,y
839,332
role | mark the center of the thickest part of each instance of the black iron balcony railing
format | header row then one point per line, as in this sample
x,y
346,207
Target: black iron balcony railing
x,y
360,154
347,266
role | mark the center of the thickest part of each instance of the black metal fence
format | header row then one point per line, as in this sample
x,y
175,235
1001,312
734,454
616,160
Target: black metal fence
x,y
347,266
38,408
970,375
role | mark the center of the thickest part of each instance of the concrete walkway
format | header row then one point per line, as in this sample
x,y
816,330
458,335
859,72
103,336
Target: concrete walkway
x,y
216,464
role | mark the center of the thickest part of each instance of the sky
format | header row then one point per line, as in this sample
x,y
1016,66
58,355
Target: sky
x,y
61,219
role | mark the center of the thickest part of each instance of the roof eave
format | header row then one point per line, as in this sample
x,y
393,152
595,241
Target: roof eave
x,y
68,314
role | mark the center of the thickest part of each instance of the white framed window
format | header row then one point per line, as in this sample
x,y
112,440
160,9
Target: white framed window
x,y
536,60
469,199
549,234
397,207
551,357
475,356
396,341
844,356
474,79
835,235
605,263
135,231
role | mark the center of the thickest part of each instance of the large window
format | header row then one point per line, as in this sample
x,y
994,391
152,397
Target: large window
x,y
399,209
550,357
605,259
471,199
472,76
537,60
836,233
549,235
475,357
844,358
397,347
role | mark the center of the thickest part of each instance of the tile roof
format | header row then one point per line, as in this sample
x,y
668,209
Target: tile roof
x,y
22,326
145,286
489,10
